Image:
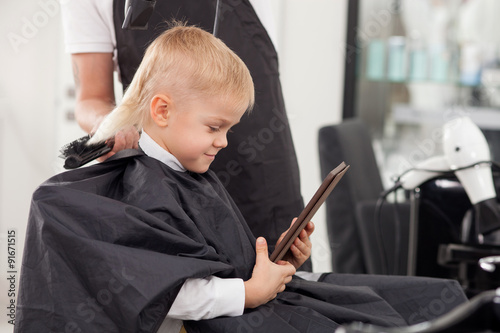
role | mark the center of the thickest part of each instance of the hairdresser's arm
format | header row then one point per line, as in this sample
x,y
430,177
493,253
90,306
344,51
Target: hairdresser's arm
x,y
93,74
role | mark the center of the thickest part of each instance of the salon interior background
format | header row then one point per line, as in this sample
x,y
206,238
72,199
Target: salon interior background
x,y
37,99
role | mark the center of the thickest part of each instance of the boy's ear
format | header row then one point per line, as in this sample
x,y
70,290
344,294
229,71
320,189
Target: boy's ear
x,y
160,109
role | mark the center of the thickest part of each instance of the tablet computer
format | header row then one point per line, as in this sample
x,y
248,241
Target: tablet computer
x,y
311,208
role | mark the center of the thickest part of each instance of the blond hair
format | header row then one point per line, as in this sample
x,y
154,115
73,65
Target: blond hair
x,y
185,60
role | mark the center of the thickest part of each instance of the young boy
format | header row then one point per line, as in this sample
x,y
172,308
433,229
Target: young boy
x,y
150,239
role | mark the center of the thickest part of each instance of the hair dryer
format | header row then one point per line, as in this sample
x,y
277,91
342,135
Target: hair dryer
x,y
465,148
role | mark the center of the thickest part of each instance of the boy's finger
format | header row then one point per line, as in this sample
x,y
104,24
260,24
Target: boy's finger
x,y
261,250
300,249
306,239
309,228
303,234
289,268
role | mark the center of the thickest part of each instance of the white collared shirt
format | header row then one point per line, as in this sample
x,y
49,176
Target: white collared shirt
x,y
154,150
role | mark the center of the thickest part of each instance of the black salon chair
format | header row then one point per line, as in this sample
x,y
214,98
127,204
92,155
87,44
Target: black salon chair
x,y
440,247
350,209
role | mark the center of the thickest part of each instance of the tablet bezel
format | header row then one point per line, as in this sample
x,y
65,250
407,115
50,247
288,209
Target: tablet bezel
x,y
326,187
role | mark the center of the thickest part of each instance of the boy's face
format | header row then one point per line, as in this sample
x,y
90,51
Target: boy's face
x,y
197,130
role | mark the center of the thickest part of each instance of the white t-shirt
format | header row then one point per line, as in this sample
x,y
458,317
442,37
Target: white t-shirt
x,y
89,28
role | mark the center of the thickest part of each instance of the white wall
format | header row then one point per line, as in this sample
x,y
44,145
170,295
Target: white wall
x,y
30,57
311,46
36,75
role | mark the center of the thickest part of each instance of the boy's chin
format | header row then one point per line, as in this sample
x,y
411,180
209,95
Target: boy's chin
x,y
199,169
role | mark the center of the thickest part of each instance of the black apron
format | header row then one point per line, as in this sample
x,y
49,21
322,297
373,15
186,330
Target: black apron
x,y
259,167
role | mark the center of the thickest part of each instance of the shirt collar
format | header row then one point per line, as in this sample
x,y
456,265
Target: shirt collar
x,y
154,150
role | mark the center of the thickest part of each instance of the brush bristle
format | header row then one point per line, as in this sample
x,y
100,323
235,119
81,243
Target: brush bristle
x,y
79,147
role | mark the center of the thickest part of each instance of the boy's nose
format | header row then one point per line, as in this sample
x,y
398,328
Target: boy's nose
x,y
221,141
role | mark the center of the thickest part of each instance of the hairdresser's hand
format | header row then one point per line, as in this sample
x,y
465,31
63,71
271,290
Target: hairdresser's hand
x,y
127,138
268,279
300,250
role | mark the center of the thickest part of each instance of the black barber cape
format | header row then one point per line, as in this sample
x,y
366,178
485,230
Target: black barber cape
x,y
109,246
259,167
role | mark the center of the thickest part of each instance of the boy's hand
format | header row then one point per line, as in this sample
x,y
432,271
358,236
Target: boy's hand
x,y
268,279
300,250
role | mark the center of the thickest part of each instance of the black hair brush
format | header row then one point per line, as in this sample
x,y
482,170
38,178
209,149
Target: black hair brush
x,y
78,152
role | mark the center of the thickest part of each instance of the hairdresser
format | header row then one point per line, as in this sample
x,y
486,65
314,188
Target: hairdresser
x,y
259,167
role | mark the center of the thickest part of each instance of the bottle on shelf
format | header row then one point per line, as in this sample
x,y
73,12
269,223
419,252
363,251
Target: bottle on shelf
x,y
418,60
397,55
397,69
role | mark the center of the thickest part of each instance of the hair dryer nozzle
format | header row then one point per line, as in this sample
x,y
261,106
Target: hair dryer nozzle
x,y
464,144
481,224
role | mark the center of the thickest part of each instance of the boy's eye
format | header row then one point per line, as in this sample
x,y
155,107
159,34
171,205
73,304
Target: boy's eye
x,y
214,129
